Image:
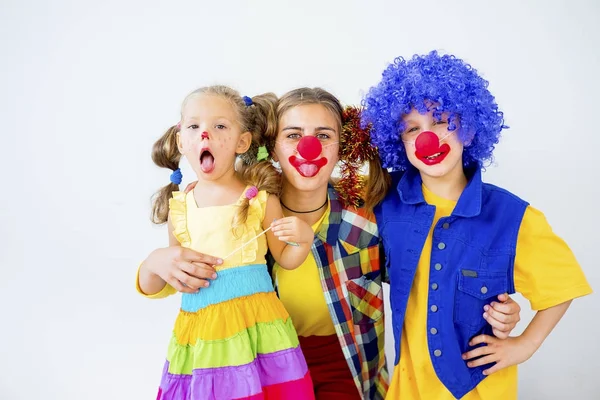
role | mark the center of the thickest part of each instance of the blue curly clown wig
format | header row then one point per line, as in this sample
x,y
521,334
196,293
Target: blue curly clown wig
x,y
442,83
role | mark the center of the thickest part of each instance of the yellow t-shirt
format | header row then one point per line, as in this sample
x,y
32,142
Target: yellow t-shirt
x,y
302,295
546,273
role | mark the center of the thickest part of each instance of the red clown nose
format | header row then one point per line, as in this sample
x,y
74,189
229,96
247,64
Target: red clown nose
x,y
427,143
309,147
428,148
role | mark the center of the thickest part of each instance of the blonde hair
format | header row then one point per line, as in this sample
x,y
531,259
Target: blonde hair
x,y
300,97
165,154
259,119
378,181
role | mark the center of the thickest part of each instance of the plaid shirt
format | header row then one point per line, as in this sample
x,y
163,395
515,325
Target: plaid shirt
x,y
346,251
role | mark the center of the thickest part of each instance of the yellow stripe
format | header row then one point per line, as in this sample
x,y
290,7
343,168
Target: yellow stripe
x,y
224,320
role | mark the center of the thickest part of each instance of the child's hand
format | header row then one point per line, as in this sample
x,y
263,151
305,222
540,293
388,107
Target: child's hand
x,y
503,316
504,352
292,229
184,269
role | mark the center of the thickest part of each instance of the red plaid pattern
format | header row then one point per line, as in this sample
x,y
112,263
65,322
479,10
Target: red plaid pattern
x,y
346,250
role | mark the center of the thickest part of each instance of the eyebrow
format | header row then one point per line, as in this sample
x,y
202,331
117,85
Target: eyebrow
x,y
196,118
297,128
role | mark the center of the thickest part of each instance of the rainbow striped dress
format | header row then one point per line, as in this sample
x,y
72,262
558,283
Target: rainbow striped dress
x,y
234,339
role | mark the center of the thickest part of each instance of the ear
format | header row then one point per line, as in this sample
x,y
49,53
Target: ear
x,y
274,156
179,146
244,143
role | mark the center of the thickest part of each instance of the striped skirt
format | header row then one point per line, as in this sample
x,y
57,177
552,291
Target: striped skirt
x,y
235,340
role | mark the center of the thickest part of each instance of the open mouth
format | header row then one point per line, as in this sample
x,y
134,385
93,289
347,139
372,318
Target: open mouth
x,y
435,158
306,168
207,161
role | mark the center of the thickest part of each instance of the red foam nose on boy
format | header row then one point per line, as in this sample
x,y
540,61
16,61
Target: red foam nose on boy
x,y
428,148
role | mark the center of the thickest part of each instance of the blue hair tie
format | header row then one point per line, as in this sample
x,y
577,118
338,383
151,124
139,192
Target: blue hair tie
x,y
248,101
176,176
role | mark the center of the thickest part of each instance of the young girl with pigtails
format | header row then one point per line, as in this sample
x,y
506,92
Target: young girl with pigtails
x,y
233,339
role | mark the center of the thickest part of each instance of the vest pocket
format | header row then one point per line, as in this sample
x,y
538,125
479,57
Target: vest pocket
x,y
366,300
475,289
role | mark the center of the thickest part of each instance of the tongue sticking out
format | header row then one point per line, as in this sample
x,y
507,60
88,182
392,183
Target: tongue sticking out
x,y
207,162
308,170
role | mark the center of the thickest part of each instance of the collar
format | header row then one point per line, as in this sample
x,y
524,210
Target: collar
x,y
330,227
469,203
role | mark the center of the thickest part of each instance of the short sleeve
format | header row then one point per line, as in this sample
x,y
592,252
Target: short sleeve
x,y
546,270
178,217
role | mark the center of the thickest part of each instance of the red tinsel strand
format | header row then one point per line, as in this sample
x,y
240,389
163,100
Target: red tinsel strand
x,y
355,150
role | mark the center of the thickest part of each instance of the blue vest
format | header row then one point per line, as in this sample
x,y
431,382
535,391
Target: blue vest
x,y
472,261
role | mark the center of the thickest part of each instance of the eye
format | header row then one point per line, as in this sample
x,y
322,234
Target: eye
x,y
193,126
220,126
441,122
411,130
293,136
323,136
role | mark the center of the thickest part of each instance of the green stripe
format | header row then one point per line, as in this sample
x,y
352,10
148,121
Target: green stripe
x,y
240,349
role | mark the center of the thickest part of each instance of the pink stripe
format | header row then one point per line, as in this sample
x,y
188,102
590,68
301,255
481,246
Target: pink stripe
x,y
282,368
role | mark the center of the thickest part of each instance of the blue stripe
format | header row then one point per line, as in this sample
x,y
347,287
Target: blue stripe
x,y
230,284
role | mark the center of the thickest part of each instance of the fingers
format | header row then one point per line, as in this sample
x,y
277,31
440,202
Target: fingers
x,y
190,255
279,225
483,360
478,352
497,367
285,229
500,334
479,339
190,282
200,271
283,221
503,317
509,307
179,286
498,326
504,297
493,313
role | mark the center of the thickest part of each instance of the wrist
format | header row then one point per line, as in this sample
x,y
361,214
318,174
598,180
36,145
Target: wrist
x,y
530,340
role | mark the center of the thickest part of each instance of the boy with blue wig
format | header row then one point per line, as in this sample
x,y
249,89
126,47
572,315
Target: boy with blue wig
x,y
452,242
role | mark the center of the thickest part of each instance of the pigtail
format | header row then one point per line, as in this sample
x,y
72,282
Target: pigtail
x,y
165,154
260,120
260,117
378,184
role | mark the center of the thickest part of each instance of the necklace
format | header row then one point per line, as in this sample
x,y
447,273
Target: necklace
x,y
304,212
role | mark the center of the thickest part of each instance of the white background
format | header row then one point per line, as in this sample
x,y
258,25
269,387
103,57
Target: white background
x,y
87,86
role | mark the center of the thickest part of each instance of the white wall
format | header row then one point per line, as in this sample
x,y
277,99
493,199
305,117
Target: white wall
x,y
87,86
